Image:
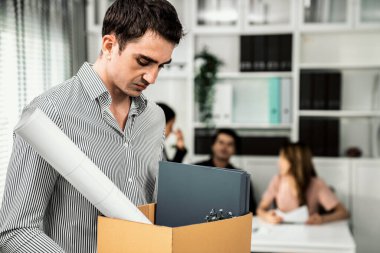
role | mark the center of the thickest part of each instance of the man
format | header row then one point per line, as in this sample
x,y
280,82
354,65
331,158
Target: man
x,y
224,145
102,110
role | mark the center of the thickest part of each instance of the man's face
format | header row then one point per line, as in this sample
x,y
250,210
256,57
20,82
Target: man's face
x,y
224,147
131,71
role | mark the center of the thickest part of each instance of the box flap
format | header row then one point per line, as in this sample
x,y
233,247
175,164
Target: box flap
x,y
121,236
226,236
149,211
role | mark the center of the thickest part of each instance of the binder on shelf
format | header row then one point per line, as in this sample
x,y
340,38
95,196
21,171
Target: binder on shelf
x,y
306,132
274,101
305,91
203,141
332,137
334,90
266,52
187,193
321,135
246,48
262,145
285,52
259,55
318,91
273,53
222,107
286,101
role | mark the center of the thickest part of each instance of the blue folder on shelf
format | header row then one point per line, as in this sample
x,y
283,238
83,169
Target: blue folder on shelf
x,y
187,193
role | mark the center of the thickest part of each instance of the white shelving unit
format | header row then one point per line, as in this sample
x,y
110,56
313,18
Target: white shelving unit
x,y
350,46
343,36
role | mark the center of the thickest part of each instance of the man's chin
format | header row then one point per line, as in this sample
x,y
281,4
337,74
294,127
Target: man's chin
x,y
135,93
224,158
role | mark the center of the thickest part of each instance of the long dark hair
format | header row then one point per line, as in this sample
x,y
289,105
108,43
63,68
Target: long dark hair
x,y
301,167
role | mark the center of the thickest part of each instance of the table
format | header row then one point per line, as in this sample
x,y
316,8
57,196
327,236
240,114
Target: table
x,y
334,237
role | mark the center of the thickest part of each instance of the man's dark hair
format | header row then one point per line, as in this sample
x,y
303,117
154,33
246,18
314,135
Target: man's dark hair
x,y
169,113
229,132
131,19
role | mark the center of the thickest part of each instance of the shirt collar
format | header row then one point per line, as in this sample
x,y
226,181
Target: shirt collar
x,y
92,83
95,88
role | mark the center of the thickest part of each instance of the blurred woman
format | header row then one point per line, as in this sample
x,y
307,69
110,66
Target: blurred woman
x,y
180,144
296,185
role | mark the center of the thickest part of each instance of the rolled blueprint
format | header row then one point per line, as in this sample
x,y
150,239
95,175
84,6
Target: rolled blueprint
x,y
37,129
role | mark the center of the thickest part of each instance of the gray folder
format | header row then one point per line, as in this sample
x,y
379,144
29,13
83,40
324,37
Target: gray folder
x,y
187,193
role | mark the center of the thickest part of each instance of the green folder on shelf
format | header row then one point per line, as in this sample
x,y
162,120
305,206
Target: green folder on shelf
x,y
274,100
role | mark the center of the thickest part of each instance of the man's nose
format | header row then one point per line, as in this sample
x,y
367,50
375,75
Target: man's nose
x,y
151,75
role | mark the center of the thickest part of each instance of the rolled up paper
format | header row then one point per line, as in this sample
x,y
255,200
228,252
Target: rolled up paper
x,y
37,129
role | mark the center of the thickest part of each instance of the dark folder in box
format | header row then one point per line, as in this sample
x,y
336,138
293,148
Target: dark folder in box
x,y
187,193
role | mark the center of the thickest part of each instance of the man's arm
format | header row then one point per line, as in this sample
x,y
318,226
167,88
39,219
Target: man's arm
x,y
29,184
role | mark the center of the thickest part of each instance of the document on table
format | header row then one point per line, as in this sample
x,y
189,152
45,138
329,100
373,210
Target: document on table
x,y
299,215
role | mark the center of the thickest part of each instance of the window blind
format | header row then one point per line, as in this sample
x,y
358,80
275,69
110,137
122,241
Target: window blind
x,y
35,54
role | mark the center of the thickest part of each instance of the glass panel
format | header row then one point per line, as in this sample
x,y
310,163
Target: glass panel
x,y
273,12
325,11
370,11
217,12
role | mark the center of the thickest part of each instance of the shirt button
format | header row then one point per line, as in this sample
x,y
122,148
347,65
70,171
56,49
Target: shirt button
x,y
126,145
130,180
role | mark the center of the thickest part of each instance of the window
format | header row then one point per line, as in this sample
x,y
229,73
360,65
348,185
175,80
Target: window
x,y
35,54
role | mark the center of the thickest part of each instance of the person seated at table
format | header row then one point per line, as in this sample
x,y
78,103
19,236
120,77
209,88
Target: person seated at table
x,y
297,184
181,150
225,143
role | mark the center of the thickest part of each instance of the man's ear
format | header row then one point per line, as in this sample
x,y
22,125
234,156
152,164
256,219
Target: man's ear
x,y
108,42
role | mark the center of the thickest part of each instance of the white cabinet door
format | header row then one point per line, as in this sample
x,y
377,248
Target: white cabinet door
x,y
367,14
366,206
326,14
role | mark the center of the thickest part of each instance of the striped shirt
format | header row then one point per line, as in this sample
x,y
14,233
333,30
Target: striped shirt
x,y
41,211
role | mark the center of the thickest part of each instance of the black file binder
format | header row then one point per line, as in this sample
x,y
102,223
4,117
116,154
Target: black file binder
x,y
332,137
273,53
246,48
259,54
285,52
322,135
305,91
334,91
187,193
319,91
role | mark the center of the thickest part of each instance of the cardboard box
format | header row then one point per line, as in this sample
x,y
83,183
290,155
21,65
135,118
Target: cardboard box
x,y
225,236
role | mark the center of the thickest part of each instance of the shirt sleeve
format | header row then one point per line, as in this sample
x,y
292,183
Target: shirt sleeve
x,y
271,191
326,197
29,184
179,155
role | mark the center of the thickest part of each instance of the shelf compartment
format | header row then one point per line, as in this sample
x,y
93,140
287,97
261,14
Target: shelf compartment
x,y
339,114
247,75
246,126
